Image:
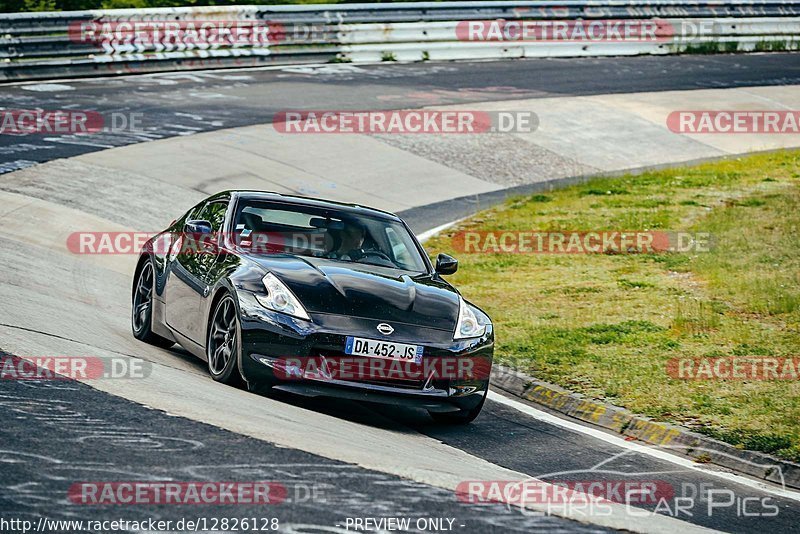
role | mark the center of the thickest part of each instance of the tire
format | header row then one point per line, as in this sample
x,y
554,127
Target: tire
x,y
142,308
223,343
461,417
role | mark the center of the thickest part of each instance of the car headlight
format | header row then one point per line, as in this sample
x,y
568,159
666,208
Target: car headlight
x,y
468,324
280,299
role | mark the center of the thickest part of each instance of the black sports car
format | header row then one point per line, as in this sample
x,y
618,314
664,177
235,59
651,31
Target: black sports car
x,y
316,298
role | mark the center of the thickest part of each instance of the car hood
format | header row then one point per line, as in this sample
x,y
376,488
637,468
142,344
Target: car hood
x,y
368,291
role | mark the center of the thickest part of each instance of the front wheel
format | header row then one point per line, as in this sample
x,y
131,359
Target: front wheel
x,y
223,346
461,417
142,308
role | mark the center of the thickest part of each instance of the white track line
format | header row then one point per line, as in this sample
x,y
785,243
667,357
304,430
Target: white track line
x,y
642,449
427,234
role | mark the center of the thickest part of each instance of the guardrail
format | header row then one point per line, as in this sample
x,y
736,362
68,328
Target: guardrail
x,y
106,42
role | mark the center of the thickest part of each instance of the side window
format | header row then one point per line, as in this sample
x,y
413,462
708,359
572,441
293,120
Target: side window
x,y
214,212
399,250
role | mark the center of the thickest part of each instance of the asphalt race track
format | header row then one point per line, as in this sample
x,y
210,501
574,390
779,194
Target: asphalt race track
x,y
120,440
187,103
337,459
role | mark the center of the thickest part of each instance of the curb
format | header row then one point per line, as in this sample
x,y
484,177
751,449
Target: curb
x,y
677,439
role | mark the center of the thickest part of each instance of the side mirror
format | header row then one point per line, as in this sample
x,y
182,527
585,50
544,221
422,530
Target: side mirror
x,y
197,227
446,264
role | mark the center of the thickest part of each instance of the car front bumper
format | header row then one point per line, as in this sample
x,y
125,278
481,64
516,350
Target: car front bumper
x,y
269,340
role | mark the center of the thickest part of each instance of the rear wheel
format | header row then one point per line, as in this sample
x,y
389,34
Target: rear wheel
x,y
142,308
461,417
222,347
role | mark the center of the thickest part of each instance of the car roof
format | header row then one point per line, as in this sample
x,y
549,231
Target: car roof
x,y
307,201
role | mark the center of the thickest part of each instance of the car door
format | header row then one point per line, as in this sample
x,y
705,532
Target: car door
x,y
186,287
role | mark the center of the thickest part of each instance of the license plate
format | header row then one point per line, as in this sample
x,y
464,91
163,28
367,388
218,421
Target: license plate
x,y
386,350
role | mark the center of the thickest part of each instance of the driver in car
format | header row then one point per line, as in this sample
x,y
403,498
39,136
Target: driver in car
x,y
351,240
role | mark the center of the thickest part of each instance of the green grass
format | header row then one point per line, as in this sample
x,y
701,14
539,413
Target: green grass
x,y
606,325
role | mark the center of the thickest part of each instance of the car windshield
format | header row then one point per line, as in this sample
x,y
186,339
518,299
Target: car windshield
x,y
266,227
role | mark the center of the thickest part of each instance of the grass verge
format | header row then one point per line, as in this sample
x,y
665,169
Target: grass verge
x,y
607,325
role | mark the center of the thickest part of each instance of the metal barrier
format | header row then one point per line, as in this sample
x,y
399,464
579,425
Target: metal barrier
x,y
104,42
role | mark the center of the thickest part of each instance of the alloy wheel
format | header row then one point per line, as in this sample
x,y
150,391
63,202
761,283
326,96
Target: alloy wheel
x,y
222,339
142,297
